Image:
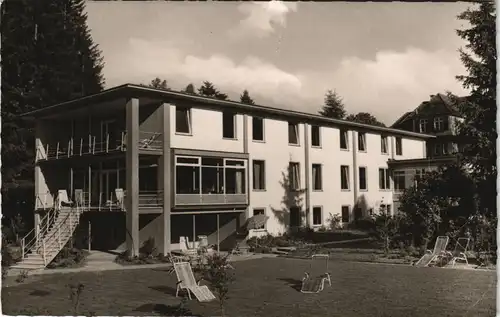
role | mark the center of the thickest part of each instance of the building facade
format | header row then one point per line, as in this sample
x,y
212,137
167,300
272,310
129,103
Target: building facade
x,y
145,163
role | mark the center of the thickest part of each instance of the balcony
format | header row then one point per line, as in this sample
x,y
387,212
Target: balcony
x,y
91,145
210,199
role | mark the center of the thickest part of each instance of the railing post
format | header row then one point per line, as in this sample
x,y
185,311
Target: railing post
x,y
57,151
22,248
43,252
47,152
90,143
93,146
81,146
69,148
107,142
59,237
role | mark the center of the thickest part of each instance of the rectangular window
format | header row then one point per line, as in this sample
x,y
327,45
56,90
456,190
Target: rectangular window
x,y
293,133
228,125
317,216
384,180
259,211
399,181
362,141
294,175
344,177
183,120
438,124
315,135
345,214
419,174
212,175
295,217
383,144
317,177
363,185
399,146
257,129
440,149
235,179
344,139
259,175
423,125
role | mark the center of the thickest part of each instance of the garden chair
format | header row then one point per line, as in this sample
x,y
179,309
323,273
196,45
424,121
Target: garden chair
x,y
186,281
439,251
172,259
184,245
315,284
459,251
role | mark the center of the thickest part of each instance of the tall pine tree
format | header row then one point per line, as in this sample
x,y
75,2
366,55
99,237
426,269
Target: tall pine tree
x,y
478,131
333,106
48,57
190,89
245,98
208,89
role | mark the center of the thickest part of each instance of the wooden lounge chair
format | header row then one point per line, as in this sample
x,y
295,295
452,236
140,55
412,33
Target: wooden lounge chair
x,y
186,281
432,256
315,284
458,253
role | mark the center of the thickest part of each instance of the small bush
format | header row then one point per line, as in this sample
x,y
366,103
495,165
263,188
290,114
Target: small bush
x,y
148,248
335,222
69,258
220,277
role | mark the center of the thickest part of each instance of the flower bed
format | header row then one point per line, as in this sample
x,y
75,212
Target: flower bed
x,y
69,258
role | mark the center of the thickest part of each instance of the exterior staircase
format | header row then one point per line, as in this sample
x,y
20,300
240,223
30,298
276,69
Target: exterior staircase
x,y
55,230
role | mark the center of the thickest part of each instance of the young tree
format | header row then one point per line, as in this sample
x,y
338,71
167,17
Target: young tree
x,y
158,84
208,89
333,106
245,98
190,89
478,130
364,117
219,274
48,57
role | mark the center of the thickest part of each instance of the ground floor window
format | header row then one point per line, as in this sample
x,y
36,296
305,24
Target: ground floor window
x,y
317,216
295,217
345,214
259,211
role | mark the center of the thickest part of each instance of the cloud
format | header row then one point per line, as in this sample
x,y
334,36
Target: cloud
x,y
386,86
146,60
262,18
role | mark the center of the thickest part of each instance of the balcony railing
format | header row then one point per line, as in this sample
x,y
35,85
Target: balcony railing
x,y
91,145
210,199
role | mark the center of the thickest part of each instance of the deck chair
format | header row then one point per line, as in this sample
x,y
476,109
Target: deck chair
x,y
62,199
432,256
315,284
184,246
186,281
459,251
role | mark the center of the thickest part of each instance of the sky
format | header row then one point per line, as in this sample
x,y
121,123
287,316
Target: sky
x,y
381,58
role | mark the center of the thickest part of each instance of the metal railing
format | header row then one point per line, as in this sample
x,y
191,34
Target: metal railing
x,y
91,146
30,241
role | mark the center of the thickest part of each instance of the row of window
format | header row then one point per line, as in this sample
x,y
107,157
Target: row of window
x,y
259,177
183,125
317,215
440,124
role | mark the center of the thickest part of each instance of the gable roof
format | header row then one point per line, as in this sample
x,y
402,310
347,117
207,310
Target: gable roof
x,y
441,99
132,90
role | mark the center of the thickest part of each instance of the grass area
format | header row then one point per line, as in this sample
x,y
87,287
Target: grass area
x,y
358,289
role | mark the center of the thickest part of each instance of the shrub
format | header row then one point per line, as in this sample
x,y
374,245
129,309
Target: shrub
x,y
365,224
334,222
148,248
220,277
69,257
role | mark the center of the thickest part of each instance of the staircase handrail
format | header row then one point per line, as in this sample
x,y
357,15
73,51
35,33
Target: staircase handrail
x,y
27,245
57,228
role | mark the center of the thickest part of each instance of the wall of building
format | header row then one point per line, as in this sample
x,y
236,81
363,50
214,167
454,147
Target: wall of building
x,y
206,132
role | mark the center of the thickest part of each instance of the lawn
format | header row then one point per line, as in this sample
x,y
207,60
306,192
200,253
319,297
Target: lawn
x,y
268,287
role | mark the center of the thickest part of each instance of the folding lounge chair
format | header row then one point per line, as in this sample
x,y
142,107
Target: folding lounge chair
x,y
438,252
459,251
315,284
186,281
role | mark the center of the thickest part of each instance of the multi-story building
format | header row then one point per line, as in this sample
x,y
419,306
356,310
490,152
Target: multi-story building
x,y
139,162
438,117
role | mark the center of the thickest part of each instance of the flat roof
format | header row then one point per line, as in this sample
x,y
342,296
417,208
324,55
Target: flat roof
x,y
132,90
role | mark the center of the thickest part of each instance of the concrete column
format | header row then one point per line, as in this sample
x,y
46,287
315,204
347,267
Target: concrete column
x,y
249,164
166,178
307,176
132,176
355,167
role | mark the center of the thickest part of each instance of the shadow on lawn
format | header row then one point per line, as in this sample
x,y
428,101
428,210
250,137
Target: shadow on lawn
x,y
293,283
164,289
40,293
165,310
